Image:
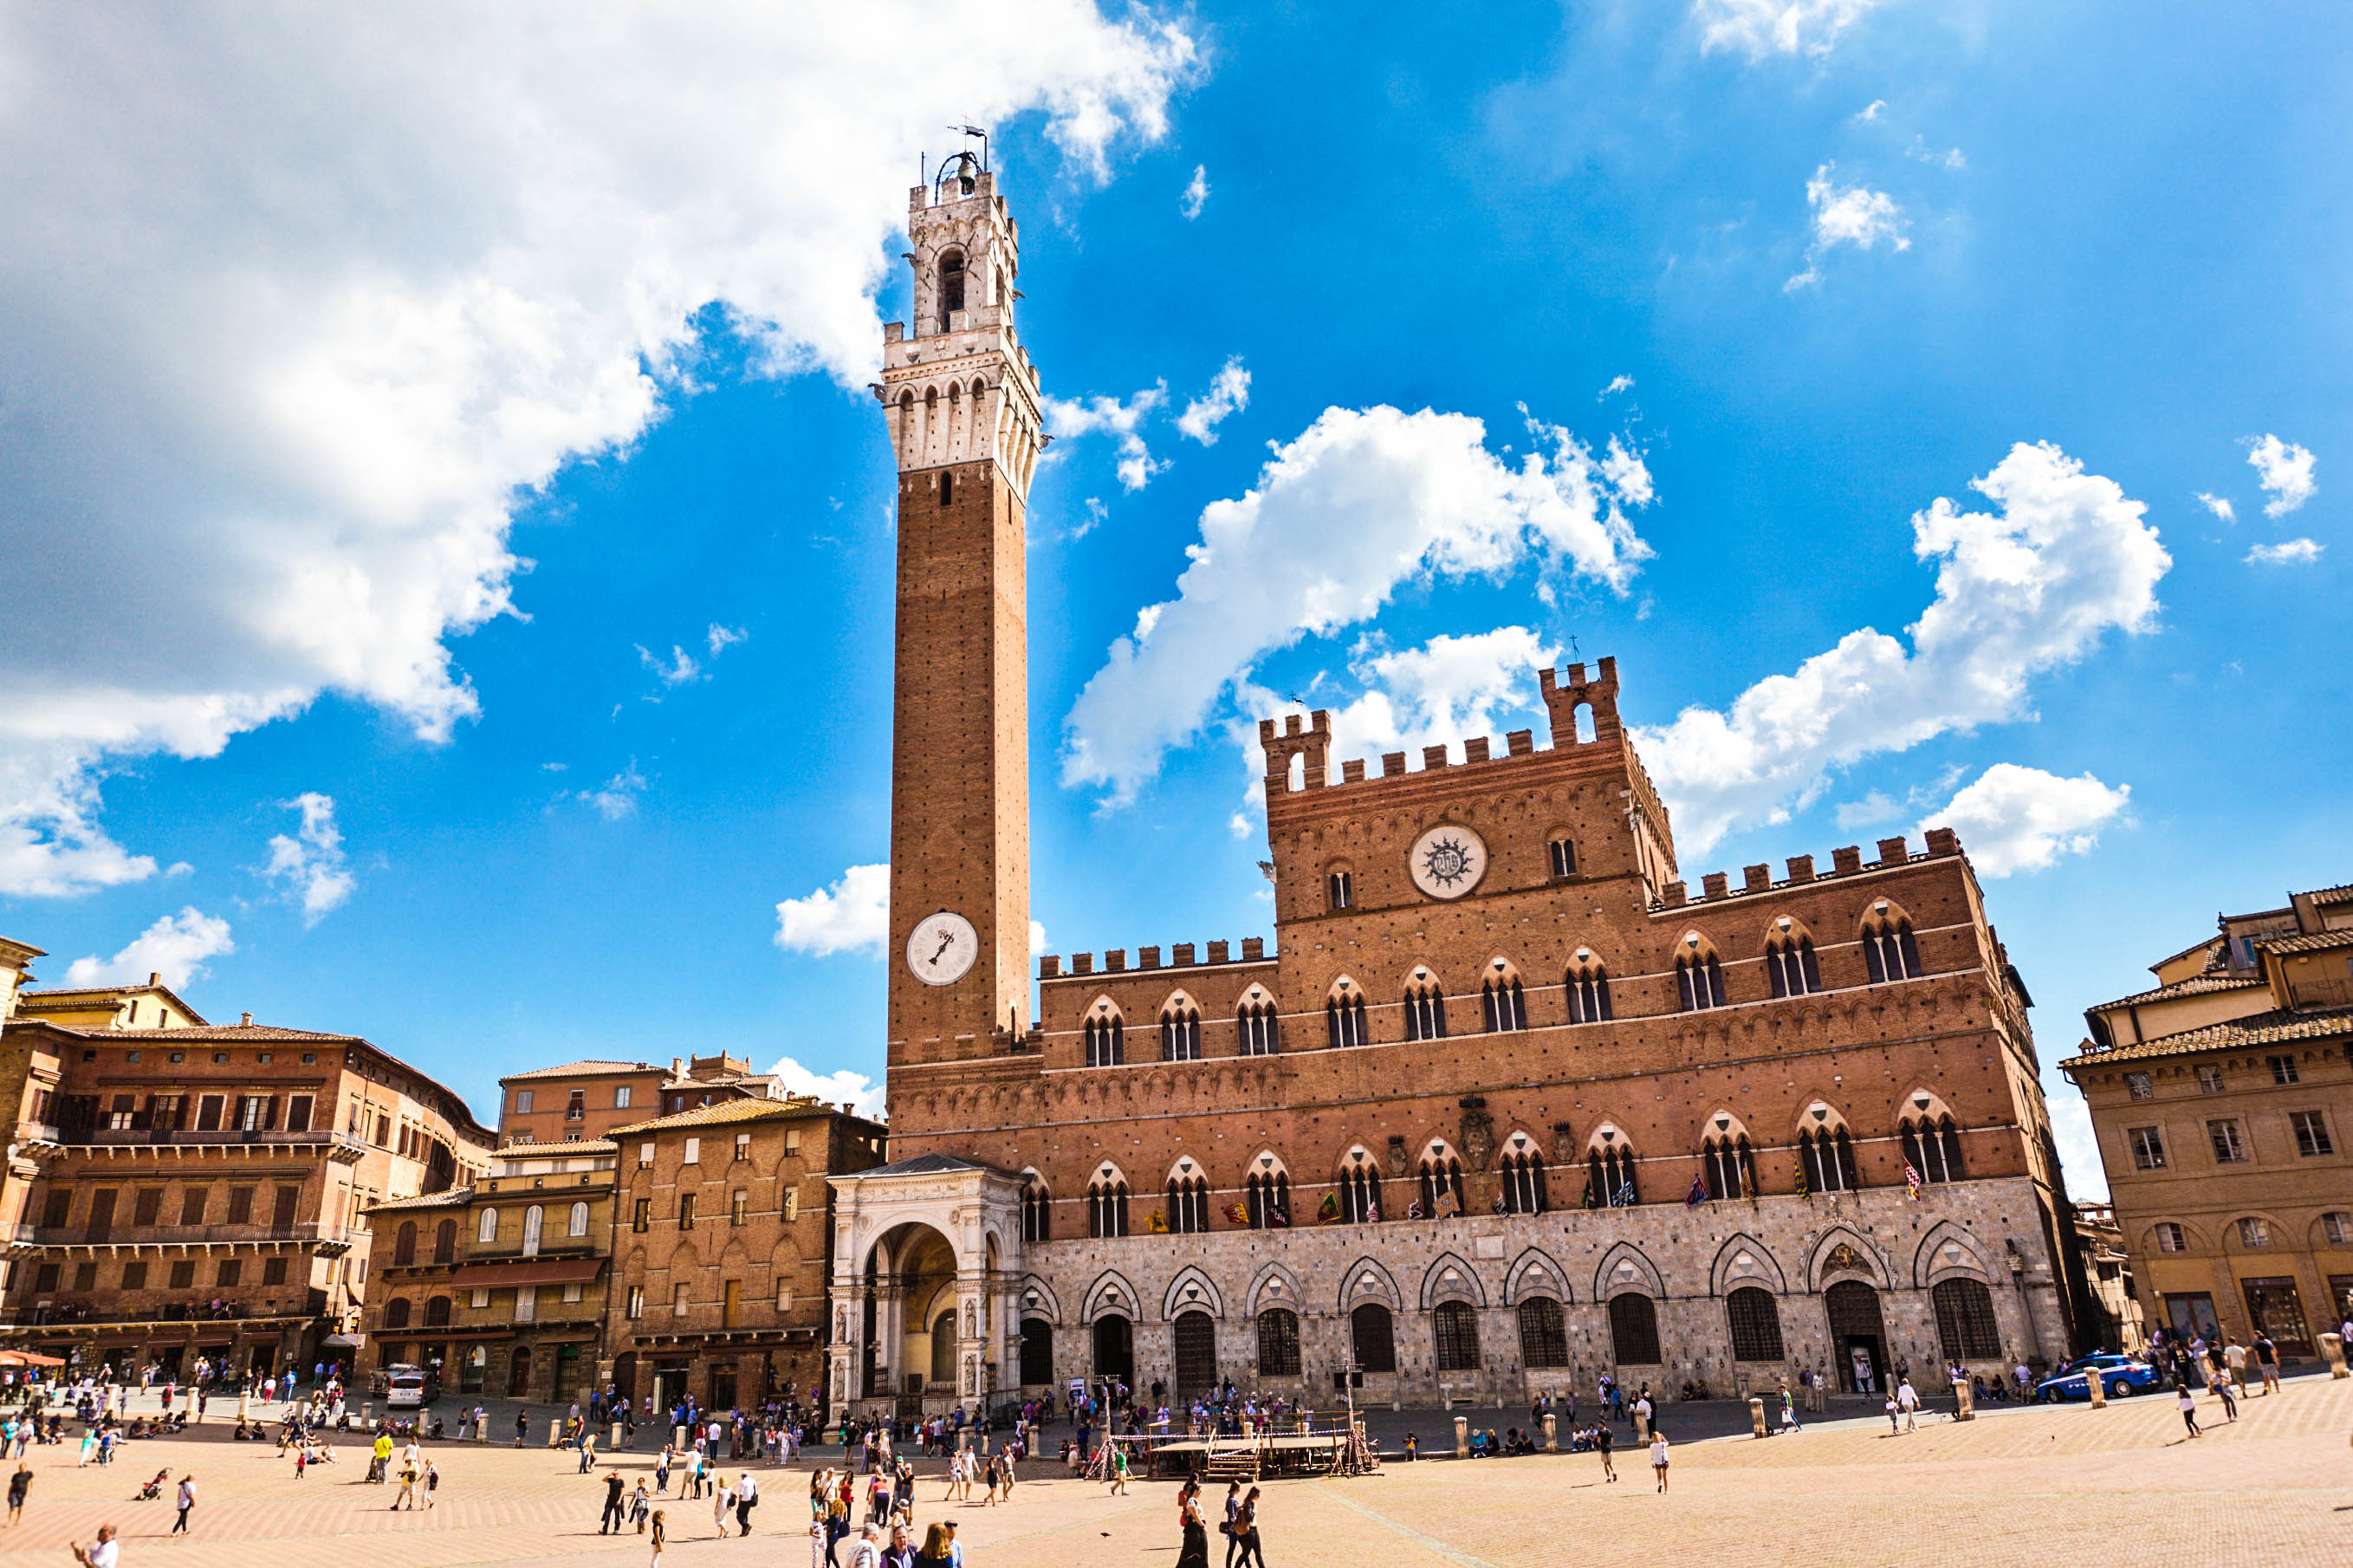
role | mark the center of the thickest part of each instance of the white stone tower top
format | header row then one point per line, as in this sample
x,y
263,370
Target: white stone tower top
x,y
957,387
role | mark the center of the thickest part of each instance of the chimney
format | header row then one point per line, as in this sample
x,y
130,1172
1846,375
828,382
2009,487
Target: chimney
x,y
678,1066
245,1019
154,977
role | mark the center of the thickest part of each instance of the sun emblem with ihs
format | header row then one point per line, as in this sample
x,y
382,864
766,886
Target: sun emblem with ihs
x,y
1448,861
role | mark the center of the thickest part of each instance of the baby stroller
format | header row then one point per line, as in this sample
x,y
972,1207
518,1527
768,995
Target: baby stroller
x,y
154,1489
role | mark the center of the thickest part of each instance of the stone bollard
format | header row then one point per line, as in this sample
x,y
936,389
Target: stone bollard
x,y
367,1417
240,1407
2099,1390
482,1431
612,1438
2332,1349
1551,1432
1965,1400
1757,1416
1461,1437
677,1438
555,1434
1642,1427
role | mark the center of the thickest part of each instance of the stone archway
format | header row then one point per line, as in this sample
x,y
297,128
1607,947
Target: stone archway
x,y
910,1346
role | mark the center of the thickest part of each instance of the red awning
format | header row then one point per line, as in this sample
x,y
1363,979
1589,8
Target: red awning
x,y
546,1271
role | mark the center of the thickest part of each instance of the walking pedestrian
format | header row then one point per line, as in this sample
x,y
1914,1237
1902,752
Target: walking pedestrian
x,y
523,1427
408,1493
1194,1549
1245,1532
18,1485
1605,1438
587,1452
609,1522
2189,1404
747,1497
659,1533
2220,1387
1231,1528
187,1502
103,1552
432,1484
1907,1399
1658,1458
2267,1359
721,1500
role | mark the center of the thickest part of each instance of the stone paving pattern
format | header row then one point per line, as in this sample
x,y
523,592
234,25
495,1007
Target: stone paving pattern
x,y
2036,1485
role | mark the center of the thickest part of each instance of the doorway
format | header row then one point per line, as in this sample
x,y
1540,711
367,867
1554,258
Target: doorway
x,y
519,1373
1858,1343
1196,1355
1036,1352
1115,1349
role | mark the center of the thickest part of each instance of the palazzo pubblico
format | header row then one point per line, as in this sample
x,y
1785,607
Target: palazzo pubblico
x,y
1509,1106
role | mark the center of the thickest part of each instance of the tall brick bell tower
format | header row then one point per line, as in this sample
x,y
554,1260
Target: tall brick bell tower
x,y
962,401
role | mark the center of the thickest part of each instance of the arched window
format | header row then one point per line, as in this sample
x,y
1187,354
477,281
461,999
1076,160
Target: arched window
x,y
1634,1330
1965,1319
1889,951
1790,961
1188,1205
1036,1209
1502,1001
403,1245
1609,1177
1544,1340
531,1223
1339,891
1522,1178
1562,854
1360,1189
1588,993
1442,1196
1255,1023
1728,1165
486,1227
1373,1337
1267,1198
1828,1155
1107,1206
1278,1342
1105,1038
1755,1320
1699,979
576,1223
436,1312
1455,1328
1931,1149
1344,1014
950,285
395,1313
1425,1011
1180,1034
445,1242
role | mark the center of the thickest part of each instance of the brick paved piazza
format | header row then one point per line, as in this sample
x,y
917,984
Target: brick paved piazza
x,y
2068,1485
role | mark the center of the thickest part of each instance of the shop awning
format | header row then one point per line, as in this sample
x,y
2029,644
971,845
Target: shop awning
x,y
545,1271
344,1342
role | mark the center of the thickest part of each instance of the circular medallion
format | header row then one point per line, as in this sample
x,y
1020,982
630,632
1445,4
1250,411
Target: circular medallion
x,y
942,948
1447,862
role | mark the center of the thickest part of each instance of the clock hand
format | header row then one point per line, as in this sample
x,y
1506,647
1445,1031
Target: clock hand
x,y
947,939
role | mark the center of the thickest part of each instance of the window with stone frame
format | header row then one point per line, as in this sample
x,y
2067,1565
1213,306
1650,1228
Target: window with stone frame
x,y
1965,1319
2147,1145
1789,964
2253,1232
1339,891
1454,1333
1729,1166
2229,1140
2311,1131
1360,1192
1522,1179
1588,995
1343,1017
1107,1208
1889,949
1180,1034
1561,855
1933,1149
1634,1330
1278,1342
1699,982
2283,1069
1372,1338
1442,1193
1106,1041
1425,1012
2210,1078
2171,1237
1037,1210
1504,1004
1188,1205
1256,1025
1544,1337
1755,1319
1266,1198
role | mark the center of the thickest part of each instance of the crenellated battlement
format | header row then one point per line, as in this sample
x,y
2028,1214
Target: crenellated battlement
x,y
1599,694
1182,956
1716,886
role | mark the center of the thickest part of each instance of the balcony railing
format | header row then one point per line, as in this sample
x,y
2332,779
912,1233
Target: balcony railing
x,y
136,1137
314,1231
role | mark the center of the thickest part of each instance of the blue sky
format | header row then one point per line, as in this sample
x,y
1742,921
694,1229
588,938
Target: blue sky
x,y
461,426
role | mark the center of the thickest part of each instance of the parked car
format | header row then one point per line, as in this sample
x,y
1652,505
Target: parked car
x,y
2121,1375
411,1387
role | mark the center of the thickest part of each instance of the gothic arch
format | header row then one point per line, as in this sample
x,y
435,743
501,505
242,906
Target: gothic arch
x,y
1922,1104
1535,1273
1947,1251
1111,1296
1626,1267
1860,1261
1037,1300
1451,1278
1191,1292
1367,1280
1745,1260
1274,1285
1784,929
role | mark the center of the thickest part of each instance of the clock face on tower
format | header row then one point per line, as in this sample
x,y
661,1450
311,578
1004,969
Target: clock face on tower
x,y
1447,862
942,948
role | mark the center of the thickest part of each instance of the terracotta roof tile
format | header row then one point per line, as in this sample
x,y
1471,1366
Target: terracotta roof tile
x,y
543,1151
726,1111
2310,941
2196,986
2274,1028
2342,894
456,1197
582,1069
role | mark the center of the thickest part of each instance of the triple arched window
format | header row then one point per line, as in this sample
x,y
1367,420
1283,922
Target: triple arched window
x,y
1442,1196
1180,1034
1699,980
1188,1205
1256,1025
1589,995
1107,1040
1344,1016
1505,1006
1523,1183
1827,1155
1107,1206
1037,1212
1933,1148
1266,1198
1789,966
1729,1167
1425,1012
1360,1191
1609,1177
1888,949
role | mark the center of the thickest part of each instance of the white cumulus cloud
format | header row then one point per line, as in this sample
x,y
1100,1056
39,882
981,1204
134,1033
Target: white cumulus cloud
x,y
1363,500
1441,693
174,947
1761,27
2218,505
2014,820
1099,415
2022,590
309,864
618,796
1196,192
2285,471
2287,552
852,915
862,1094
1846,214
295,302
1228,394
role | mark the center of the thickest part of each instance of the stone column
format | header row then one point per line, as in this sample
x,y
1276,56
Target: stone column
x,y
2099,1390
1461,1437
1965,1400
2332,1349
1755,1415
1551,1432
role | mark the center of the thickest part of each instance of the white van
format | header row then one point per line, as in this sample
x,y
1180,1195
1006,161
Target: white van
x,y
411,1387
